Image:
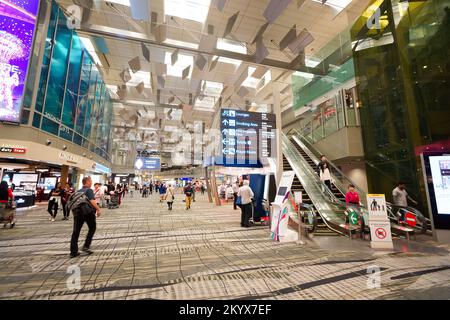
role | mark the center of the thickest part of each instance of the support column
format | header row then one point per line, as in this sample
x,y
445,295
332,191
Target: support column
x,y
276,109
208,185
214,186
64,176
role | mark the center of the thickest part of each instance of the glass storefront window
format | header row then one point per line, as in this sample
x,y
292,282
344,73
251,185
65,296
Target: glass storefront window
x,y
49,126
58,70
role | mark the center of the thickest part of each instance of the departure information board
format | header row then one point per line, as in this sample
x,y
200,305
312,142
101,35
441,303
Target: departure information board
x,y
246,137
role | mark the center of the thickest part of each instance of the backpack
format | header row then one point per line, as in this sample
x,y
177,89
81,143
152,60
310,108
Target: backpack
x,y
80,204
188,191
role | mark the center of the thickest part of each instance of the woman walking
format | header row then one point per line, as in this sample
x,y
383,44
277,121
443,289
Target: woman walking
x,y
170,196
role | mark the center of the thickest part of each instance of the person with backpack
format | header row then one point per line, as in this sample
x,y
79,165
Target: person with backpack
x,y
188,191
85,210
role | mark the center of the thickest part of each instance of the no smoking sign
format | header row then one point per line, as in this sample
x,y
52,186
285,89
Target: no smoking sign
x,y
380,233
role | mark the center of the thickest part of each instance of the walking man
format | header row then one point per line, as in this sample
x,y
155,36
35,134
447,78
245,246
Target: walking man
x,y
188,193
85,209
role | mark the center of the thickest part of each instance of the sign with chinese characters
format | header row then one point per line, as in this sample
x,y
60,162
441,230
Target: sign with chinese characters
x,y
17,26
246,137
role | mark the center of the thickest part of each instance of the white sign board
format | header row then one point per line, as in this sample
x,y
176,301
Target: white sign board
x,y
379,224
376,204
285,186
380,232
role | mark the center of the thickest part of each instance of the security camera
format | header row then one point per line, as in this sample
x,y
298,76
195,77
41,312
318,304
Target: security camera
x,y
48,142
64,148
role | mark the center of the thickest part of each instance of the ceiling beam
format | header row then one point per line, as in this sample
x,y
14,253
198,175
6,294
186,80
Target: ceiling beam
x,y
112,33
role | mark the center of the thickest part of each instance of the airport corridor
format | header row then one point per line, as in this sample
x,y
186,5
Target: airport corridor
x,y
144,251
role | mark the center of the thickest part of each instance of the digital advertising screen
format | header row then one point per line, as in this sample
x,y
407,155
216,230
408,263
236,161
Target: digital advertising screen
x,y
152,164
17,26
436,167
440,172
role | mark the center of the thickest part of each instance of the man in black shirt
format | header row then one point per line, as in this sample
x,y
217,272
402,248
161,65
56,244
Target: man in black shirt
x,y
79,218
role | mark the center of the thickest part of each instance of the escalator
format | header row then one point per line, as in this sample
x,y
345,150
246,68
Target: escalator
x,y
340,183
321,229
331,213
337,193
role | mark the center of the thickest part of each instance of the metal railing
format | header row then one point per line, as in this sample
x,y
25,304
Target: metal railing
x,y
341,181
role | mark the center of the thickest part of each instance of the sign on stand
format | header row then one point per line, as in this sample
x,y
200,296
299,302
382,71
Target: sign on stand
x,y
280,210
379,224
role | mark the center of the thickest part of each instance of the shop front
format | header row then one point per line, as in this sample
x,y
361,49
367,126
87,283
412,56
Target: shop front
x,y
32,170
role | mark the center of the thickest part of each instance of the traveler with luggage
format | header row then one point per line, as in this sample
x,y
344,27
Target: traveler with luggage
x,y
85,210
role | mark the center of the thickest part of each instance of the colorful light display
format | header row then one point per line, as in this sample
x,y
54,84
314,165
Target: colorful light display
x,y
17,24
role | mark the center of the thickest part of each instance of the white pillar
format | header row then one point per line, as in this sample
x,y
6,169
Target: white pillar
x,y
279,154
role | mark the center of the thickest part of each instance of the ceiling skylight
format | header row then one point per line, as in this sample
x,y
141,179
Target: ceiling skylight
x,y
250,81
138,77
230,45
229,61
196,10
121,2
213,89
176,70
181,43
90,48
338,5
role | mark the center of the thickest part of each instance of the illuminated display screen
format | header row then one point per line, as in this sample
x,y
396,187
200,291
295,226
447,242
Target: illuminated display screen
x,y
147,163
17,24
440,171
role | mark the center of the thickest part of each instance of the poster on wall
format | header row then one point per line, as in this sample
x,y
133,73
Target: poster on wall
x,y
17,26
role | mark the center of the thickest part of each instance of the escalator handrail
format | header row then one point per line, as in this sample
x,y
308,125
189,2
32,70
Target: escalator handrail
x,y
334,168
361,192
289,146
390,206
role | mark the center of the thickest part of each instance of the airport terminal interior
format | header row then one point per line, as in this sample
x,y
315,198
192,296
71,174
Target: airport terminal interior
x,y
224,149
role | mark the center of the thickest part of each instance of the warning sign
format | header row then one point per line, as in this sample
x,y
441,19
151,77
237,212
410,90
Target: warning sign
x,y
410,219
380,233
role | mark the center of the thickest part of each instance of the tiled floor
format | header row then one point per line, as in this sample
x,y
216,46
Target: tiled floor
x,y
143,251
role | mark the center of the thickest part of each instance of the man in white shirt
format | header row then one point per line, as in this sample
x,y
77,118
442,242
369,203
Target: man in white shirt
x,y
246,194
400,197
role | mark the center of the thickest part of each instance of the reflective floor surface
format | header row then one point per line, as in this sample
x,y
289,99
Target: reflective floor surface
x,y
144,251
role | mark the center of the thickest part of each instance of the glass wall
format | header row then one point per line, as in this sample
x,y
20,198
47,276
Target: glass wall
x,y
72,102
403,74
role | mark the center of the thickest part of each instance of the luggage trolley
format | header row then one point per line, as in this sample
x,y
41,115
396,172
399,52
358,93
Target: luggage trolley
x,y
8,214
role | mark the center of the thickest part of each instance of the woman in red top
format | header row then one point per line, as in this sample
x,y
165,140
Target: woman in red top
x,y
5,195
352,197
5,192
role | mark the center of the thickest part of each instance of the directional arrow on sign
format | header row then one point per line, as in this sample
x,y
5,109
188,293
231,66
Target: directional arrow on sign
x,y
354,219
224,131
225,122
225,151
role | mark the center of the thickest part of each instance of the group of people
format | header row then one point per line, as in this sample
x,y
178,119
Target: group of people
x,y
59,197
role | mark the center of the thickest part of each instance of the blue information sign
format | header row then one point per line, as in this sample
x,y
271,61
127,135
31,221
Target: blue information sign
x,y
143,163
246,137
